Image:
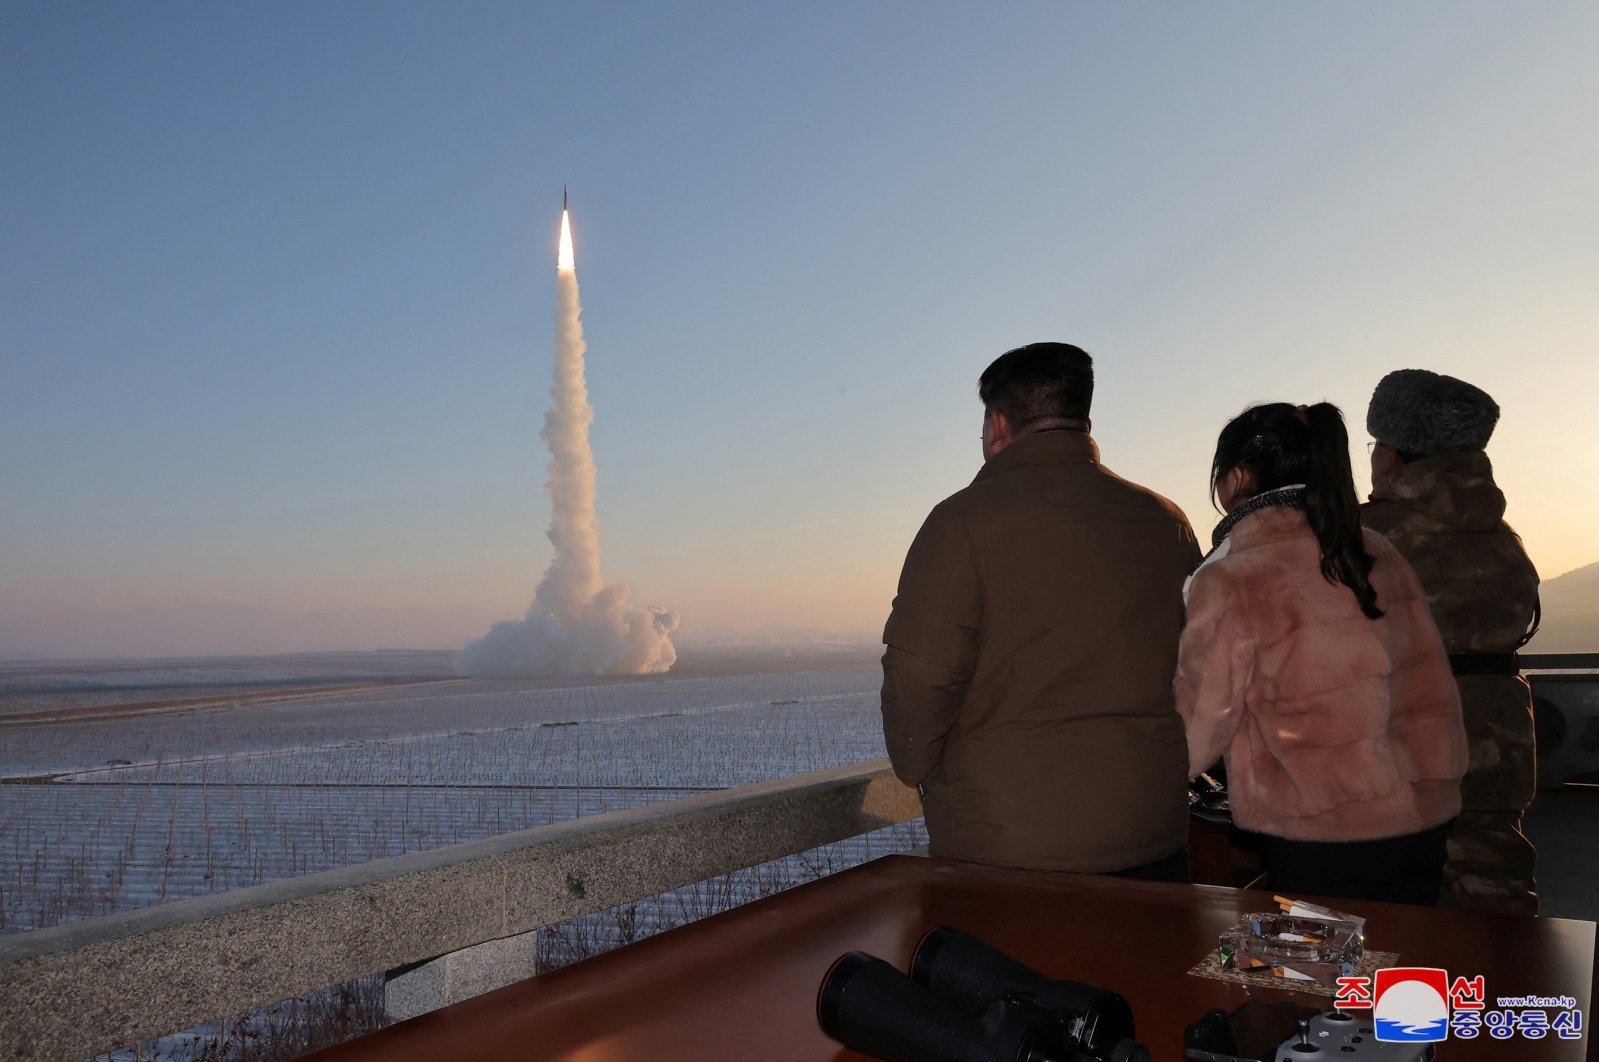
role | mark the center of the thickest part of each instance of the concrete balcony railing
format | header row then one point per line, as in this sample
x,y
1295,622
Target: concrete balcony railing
x,y
75,990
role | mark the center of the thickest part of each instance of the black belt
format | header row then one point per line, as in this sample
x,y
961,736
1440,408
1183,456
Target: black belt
x,y
1485,663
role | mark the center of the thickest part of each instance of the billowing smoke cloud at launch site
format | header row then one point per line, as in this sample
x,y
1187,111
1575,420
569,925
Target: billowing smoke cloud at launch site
x,y
577,625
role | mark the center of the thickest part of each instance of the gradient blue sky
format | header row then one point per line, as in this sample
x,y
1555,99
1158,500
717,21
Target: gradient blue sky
x,y
277,283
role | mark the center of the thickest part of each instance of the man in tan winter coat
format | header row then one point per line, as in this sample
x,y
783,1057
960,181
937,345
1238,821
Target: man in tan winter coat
x,y
1027,677
1434,497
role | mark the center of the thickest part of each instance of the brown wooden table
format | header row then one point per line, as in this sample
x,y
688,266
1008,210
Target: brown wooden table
x,y
741,986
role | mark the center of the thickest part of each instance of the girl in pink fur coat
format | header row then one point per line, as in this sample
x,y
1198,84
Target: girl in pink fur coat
x,y
1311,665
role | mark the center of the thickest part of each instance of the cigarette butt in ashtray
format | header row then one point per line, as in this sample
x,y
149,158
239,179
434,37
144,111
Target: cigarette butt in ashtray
x,y
1301,909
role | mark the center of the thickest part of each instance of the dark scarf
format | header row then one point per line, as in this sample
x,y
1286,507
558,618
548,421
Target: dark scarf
x,y
1285,497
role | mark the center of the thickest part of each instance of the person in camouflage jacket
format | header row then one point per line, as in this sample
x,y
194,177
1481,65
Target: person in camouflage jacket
x,y
1434,498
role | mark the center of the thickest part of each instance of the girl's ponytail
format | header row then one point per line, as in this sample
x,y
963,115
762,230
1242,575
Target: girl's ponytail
x,y
1331,507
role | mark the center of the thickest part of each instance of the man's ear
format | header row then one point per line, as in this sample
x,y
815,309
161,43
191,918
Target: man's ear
x,y
1000,434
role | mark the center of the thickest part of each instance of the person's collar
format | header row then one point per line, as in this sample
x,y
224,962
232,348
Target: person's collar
x,y
1051,446
1427,476
1456,489
1291,496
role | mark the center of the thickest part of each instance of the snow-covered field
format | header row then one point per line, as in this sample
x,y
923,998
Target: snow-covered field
x,y
30,686
111,810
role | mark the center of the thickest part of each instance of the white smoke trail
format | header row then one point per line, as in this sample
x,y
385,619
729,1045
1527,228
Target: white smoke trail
x,y
576,625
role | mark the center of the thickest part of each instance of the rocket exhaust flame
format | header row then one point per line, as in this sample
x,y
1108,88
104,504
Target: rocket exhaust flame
x,y
576,625
564,260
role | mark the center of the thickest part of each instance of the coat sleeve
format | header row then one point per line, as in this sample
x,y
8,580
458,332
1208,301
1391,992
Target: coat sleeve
x,y
1215,664
932,645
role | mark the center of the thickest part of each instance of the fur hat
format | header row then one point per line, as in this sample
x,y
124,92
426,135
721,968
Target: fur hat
x,y
1421,412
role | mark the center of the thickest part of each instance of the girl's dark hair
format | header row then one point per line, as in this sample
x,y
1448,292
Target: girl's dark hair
x,y
1281,445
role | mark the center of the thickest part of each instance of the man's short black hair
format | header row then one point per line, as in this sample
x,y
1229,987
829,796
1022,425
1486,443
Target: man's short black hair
x,y
1040,381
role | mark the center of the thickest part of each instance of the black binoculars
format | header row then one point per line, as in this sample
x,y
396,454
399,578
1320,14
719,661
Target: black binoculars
x,y
967,1002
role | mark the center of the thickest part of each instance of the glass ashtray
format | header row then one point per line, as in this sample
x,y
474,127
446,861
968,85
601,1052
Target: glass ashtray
x,y
1292,947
